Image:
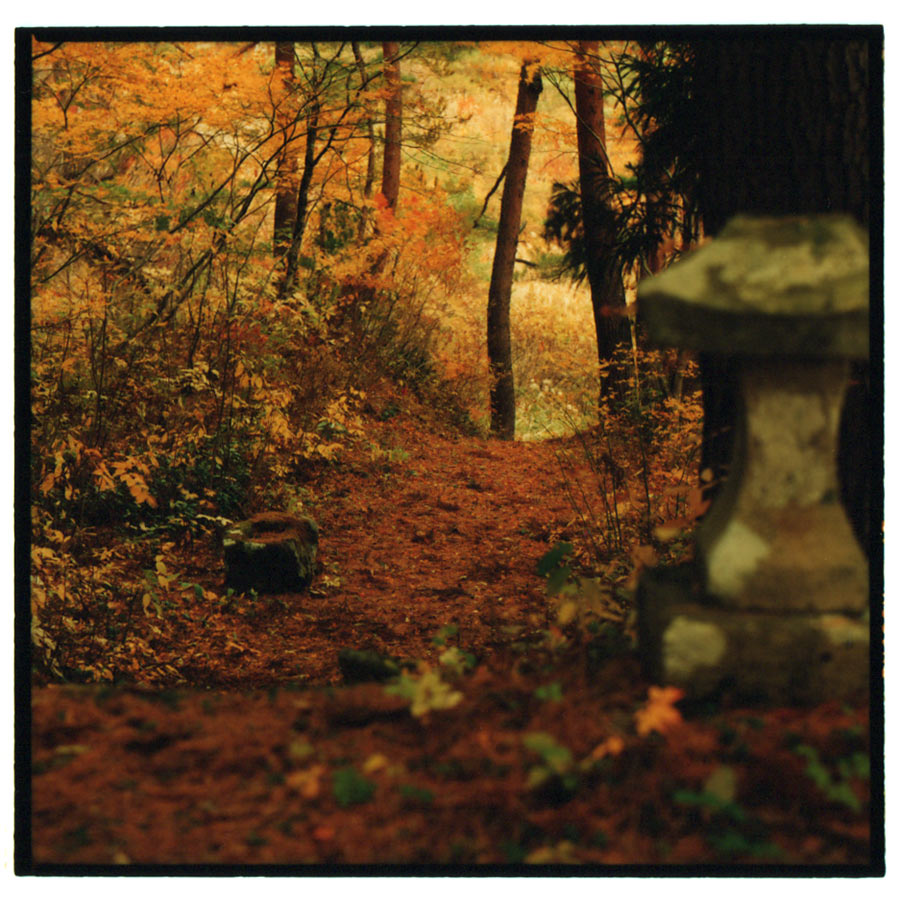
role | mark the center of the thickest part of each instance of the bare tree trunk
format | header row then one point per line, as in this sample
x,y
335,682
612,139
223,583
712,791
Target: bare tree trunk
x,y
390,174
604,275
370,160
286,174
503,395
301,203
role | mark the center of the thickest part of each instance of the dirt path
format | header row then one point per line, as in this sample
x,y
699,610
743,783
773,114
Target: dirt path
x,y
450,536
251,754
439,531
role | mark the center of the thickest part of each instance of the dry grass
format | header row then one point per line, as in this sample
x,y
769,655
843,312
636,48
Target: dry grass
x,y
554,349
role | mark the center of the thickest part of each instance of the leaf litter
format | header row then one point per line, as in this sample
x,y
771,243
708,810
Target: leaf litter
x,y
507,738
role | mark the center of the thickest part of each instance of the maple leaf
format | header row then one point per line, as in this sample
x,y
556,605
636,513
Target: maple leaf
x,y
659,714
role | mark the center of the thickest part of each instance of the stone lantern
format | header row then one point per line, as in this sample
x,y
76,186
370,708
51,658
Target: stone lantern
x,y
775,605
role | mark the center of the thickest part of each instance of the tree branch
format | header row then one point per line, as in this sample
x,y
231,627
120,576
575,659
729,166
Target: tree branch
x,y
500,178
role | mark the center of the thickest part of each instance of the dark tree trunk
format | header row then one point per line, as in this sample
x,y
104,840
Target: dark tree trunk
x,y
302,202
370,159
503,395
783,128
604,273
390,174
286,175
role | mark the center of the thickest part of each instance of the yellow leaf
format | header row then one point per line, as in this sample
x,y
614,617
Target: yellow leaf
x,y
375,762
138,489
104,478
567,612
666,532
563,852
306,781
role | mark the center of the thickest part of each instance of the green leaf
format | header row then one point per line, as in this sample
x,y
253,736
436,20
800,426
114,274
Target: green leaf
x,y
814,769
365,665
416,794
552,691
456,661
557,579
300,749
859,766
552,558
711,802
843,793
513,852
448,631
405,686
722,783
731,842
554,755
351,788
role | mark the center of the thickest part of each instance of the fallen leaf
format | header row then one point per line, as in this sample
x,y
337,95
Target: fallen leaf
x,y
660,713
612,746
375,762
306,781
323,833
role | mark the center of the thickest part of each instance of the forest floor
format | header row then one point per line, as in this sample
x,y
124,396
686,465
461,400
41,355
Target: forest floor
x,y
507,741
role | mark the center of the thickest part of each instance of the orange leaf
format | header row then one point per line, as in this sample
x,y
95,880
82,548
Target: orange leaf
x,y
306,781
660,713
612,746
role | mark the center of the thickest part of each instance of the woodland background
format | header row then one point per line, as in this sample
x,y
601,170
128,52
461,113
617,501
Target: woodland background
x,y
268,276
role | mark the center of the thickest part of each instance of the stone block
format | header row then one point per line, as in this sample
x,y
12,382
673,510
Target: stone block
x,y
775,607
778,536
787,286
271,553
751,656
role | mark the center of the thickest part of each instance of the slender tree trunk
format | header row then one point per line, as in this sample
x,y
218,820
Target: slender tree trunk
x,y
370,159
302,202
286,174
604,274
503,395
390,174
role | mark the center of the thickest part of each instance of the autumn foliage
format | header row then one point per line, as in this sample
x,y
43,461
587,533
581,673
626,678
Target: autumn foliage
x,y
227,317
172,384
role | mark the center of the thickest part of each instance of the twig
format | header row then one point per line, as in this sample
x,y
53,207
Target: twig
x,y
500,178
